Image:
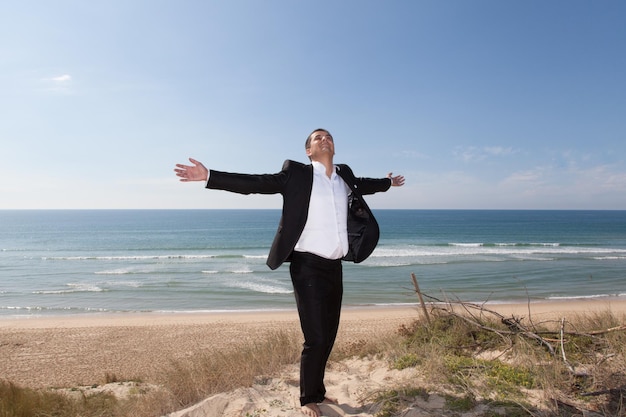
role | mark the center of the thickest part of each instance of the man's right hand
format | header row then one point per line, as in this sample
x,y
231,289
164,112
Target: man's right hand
x,y
195,172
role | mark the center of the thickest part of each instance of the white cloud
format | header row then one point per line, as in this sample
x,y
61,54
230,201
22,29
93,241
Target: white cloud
x,y
601,177
58,84
477,154
528,176
499,150
411,154
62,78
469,154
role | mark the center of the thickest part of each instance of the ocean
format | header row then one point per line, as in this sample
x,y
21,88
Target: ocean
x,y
58,262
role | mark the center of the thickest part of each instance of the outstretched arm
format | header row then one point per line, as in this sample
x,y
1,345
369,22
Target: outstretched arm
x,y
195,172
397,181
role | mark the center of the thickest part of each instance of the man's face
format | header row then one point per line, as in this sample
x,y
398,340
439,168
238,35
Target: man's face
x,y
321,145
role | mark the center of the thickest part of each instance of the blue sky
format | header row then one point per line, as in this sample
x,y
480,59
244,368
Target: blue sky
x,y
480,104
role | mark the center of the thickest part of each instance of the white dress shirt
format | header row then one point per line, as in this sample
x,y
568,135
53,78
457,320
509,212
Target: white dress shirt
x,y
326,230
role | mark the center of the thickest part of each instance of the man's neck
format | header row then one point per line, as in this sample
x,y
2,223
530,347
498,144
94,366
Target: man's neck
x,y
328,164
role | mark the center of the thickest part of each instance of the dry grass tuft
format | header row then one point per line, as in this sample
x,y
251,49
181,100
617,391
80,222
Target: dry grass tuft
x,y
24,402
373,345
193,379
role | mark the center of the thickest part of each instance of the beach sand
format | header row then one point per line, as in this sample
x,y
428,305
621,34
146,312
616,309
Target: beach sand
x,y
69,351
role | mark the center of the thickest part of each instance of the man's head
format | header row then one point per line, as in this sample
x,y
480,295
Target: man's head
x,y
319,144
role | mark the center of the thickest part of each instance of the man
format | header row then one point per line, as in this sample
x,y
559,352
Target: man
x,y
324,220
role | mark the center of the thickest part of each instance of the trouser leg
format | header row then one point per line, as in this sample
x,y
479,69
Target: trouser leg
x,y
318,290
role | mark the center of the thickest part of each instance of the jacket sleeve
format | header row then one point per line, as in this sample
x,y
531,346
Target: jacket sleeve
x,y
372,185
249,183
365,186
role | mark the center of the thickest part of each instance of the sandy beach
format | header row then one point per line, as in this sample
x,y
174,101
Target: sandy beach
x,y
67,351
80,350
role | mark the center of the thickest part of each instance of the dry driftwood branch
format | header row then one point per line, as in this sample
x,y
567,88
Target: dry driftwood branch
x,y
513,323
605,331
531,335
569,367
479,325
421,298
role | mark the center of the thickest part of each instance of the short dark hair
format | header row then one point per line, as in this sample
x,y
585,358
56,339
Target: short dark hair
x,y
307,144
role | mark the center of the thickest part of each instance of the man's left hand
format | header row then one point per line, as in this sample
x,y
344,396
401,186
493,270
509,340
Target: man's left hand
x,y
397,181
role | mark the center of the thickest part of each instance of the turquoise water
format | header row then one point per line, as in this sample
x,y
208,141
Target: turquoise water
x,y
65,261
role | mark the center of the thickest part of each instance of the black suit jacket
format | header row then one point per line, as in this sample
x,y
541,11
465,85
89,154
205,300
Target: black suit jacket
x,y
295,182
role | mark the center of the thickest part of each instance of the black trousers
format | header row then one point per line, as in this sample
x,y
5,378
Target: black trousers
x,y
318,288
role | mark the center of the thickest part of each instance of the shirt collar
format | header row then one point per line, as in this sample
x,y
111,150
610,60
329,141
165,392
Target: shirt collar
x,y
319,168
